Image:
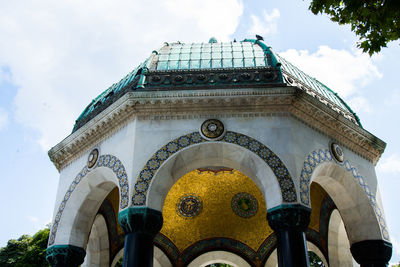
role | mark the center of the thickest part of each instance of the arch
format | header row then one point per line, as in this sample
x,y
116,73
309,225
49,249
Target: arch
x,y
160,259
117,257
97,250
218,244
106,166
218,256
316,250
338,243
272,261
194,147
321,163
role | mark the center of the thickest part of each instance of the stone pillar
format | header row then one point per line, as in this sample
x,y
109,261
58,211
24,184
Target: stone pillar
x,y
65,255
140,226
289,223
372,253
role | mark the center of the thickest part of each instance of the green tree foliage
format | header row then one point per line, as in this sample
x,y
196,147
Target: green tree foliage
x,y
15,249
26,251
120,262
315,261
376,22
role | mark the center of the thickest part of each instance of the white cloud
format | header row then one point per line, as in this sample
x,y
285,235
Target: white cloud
x,y
64,53
359,103
390,164
266,25
341,70
5,74
3,118
33,219
392,99
396,250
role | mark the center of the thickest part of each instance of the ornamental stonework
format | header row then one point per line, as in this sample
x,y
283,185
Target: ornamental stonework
x,y
189,206
108,161
244,205
212,129
159,157
325,155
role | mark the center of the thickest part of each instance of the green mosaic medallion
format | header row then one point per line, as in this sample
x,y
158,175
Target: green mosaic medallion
x,y
244,205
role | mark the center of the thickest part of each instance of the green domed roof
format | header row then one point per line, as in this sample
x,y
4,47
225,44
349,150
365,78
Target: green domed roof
x,y
213,65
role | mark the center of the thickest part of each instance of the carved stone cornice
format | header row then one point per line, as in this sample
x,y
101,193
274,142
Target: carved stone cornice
x,y
244,102
337,127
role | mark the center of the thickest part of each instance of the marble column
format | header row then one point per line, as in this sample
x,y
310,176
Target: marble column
x,y
65,255
140,226
372,253
289,223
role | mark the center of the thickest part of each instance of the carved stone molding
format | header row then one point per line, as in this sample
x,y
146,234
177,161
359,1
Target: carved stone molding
x,y
245,102
336,126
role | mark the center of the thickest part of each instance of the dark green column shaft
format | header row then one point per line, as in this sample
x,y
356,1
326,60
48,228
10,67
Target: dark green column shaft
x,y
372,253
289,223
140,226
65,255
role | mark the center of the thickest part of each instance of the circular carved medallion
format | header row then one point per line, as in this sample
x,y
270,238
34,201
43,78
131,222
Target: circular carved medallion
x,y
212,129
244,205
337,152
92,158
189,206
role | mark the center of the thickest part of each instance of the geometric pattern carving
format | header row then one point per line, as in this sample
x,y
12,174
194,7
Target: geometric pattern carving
x,y
282,174
108,161
320,156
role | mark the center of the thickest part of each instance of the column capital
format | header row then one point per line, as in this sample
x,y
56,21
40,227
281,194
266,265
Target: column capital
x,y
140,220
291,216
372,252
65,255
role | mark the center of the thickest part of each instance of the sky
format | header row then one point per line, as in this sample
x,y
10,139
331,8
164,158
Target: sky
x,y
56,56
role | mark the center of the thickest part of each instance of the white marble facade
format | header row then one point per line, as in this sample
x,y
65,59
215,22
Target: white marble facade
x,y
136,126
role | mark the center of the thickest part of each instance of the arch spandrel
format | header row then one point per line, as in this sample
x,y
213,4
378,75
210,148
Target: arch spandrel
x,y
349,190
219,256
192,151
88,189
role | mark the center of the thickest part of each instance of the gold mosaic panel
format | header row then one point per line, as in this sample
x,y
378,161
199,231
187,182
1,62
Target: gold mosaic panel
x,y
113,197
216,218
318,194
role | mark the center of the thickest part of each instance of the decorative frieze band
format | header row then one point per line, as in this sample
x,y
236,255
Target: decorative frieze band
x,y
226,102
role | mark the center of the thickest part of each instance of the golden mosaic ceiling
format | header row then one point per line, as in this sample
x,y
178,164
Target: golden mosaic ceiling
x,y
215,217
